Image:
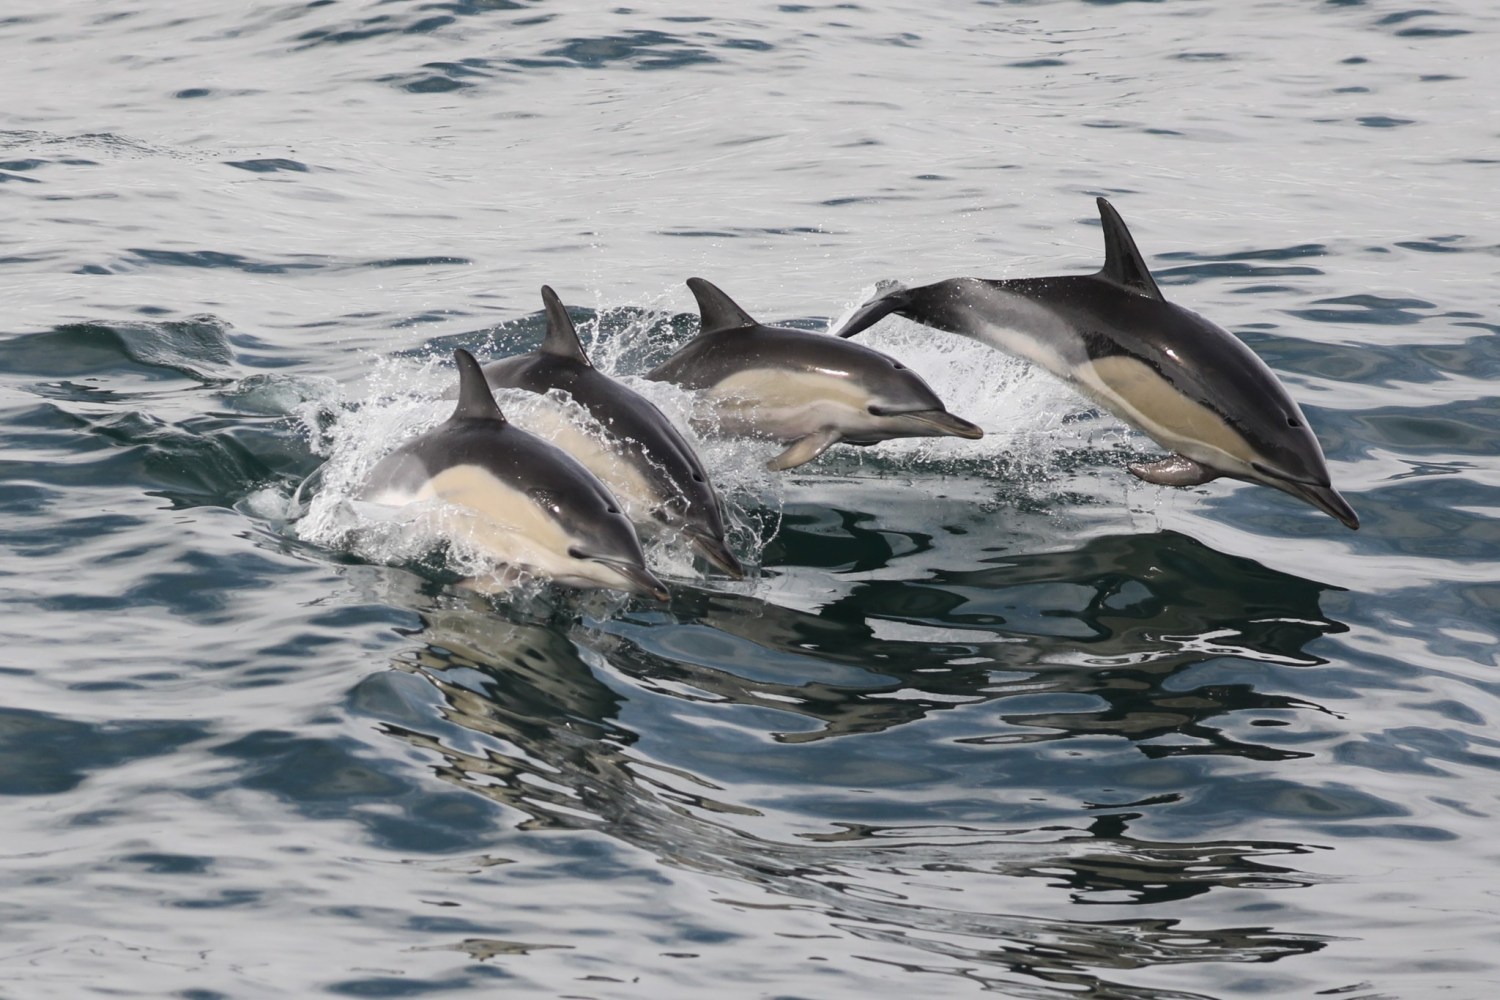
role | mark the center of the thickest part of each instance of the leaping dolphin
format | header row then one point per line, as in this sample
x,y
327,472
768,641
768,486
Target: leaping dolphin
x,y
535,508
1190,385
645,460
806,390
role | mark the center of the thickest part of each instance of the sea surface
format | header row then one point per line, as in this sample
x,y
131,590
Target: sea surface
x,y
986,718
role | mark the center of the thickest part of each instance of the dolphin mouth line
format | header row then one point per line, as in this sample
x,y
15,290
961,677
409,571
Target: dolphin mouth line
x,y
1270,473
716,551
940,420
642,579
1326,499
1321,495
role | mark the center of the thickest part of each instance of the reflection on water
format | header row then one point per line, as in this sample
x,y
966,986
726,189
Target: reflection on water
x,y
526,686
538,718
1116,619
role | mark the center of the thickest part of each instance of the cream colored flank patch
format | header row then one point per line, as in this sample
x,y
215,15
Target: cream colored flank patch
x,y
505,524
637,496
1031,332
1136,392
786,404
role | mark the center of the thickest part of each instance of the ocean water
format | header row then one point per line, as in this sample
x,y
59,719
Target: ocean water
x,y
986,717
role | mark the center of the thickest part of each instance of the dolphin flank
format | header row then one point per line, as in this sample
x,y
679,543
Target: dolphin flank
x,y
806,390
528,504
644,459
1190,385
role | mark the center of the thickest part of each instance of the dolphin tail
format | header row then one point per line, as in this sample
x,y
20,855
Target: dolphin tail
x,y
893,301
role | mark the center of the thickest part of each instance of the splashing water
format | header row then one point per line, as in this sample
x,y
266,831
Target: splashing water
x,y
402,398
1032,423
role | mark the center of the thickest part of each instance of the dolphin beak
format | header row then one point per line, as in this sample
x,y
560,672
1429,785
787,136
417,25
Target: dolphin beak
x,y
1325,498
716,551
946,423
642,581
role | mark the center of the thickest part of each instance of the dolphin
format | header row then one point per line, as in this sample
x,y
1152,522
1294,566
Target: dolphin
x,y
1190,385
806,390
644,459
534,507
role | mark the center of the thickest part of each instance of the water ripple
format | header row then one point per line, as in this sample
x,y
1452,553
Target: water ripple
x,y
987,717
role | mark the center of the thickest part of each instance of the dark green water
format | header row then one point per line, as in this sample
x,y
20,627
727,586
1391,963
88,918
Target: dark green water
x,y
987,716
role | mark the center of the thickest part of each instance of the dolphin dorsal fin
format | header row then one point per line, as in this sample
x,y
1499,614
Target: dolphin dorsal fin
x,y
562,338
718,311
475,401
1123,263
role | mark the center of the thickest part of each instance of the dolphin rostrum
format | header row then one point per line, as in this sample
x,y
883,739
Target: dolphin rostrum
x,y
1190,385
644,460
531,506
806,390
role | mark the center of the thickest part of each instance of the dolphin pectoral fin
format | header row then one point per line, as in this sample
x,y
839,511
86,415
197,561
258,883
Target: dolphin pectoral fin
x,y
1173,471
874,311
804,450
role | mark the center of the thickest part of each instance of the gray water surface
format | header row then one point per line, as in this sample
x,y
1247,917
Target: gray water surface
x,y
987,716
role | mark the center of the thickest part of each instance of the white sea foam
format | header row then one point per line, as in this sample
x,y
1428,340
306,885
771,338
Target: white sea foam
x,y
1029,416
